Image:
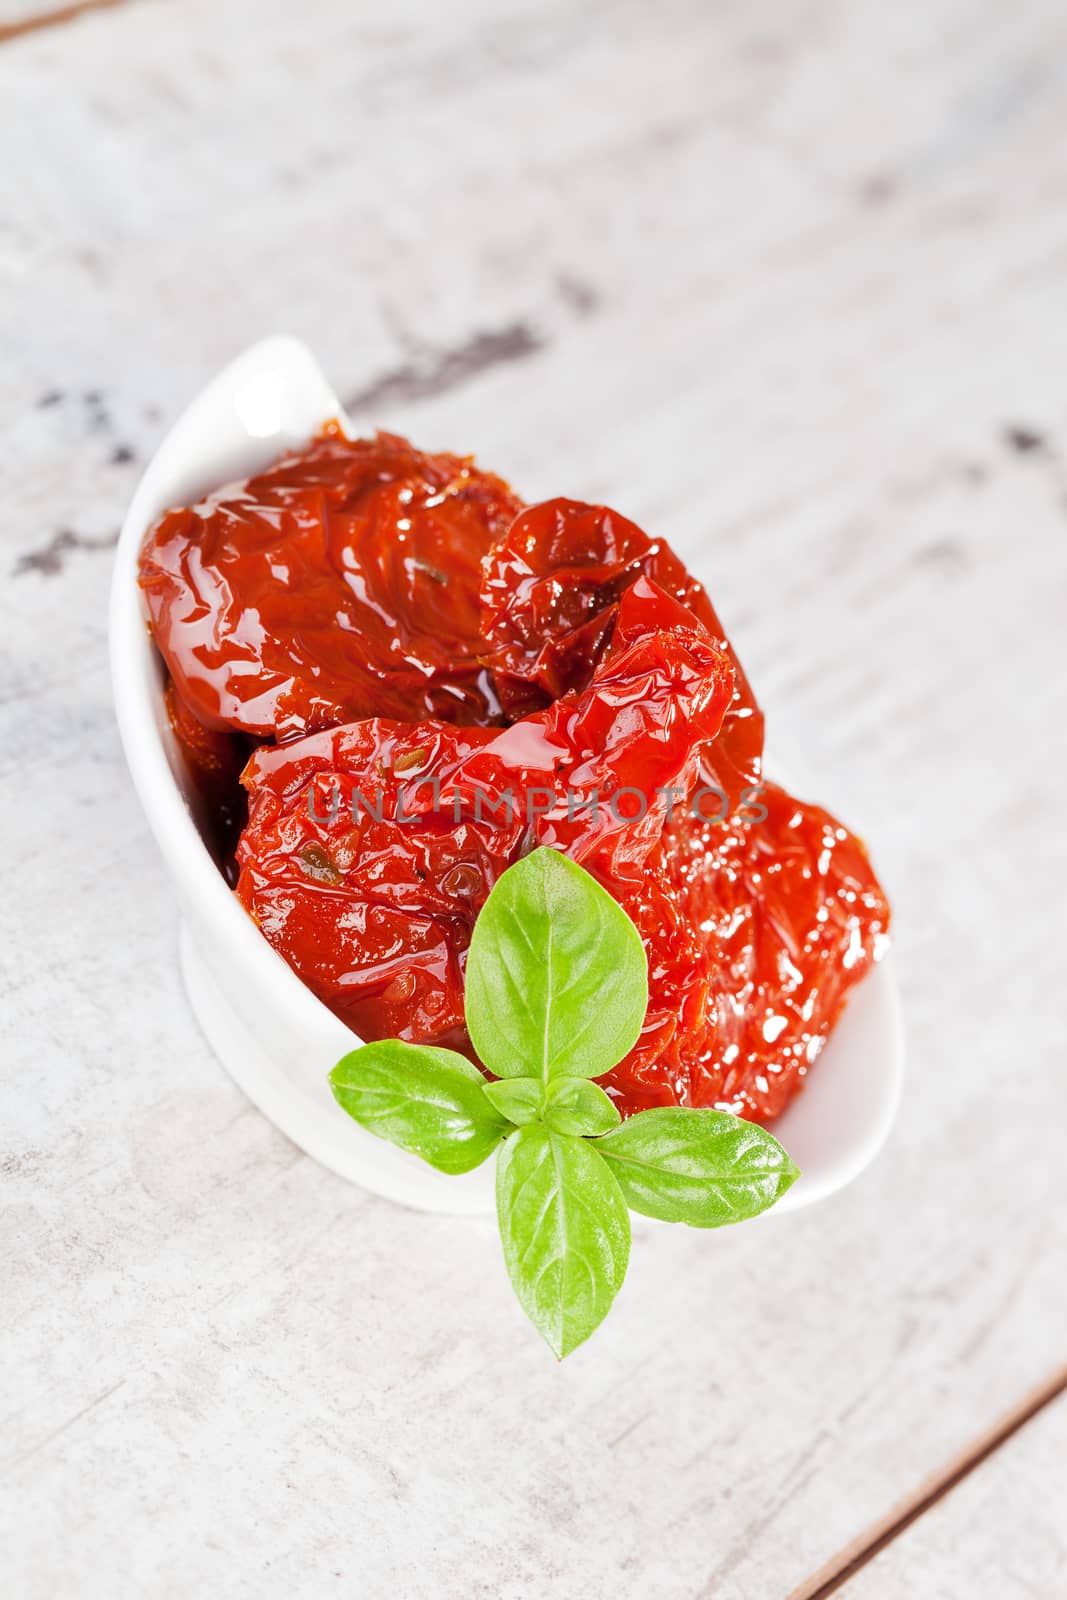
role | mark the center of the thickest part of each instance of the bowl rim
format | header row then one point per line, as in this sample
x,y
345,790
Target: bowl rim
x,y
135,695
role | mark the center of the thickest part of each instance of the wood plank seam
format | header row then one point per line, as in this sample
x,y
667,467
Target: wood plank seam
x,y
53,19
832,1577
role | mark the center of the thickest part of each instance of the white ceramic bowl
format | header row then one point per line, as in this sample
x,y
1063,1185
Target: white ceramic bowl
x,y
270,1032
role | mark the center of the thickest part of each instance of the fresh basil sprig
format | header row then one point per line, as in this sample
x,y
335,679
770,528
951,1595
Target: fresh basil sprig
x,y
556,994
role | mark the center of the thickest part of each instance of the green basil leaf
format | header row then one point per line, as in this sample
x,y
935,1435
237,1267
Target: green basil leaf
x,y
565,1231
556,978
574,1105
426,1100
705,1168
518,1099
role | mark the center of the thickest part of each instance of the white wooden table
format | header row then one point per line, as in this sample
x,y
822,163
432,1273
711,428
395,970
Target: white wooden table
x,y
787,284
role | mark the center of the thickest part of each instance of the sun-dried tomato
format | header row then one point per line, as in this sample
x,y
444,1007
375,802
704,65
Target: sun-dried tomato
x,y
341,582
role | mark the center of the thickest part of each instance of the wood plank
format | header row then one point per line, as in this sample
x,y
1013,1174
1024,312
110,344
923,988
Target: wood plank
x,y
19,17
786,286
1002,1531
927,1496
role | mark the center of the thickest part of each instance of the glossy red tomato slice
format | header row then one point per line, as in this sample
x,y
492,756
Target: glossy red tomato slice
x,y
342,582
550,593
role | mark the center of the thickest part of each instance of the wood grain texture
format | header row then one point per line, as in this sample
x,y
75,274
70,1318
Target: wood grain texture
x,y
19,17
1001,1532
788,286
926,1496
